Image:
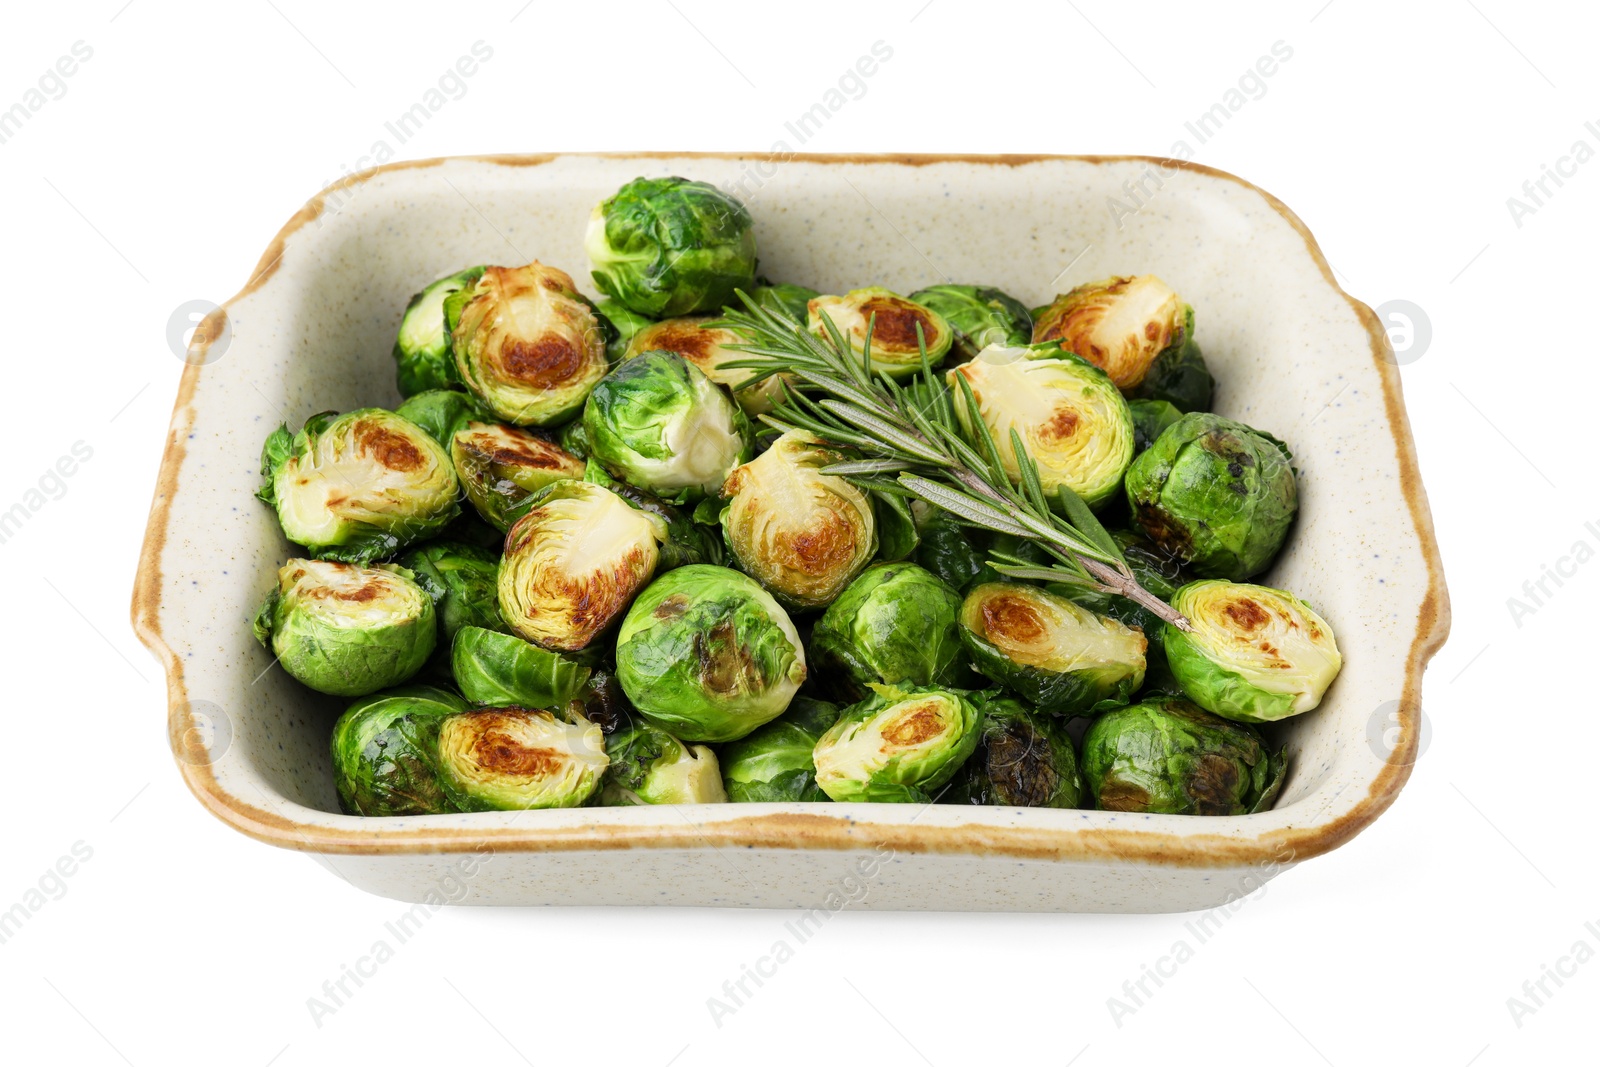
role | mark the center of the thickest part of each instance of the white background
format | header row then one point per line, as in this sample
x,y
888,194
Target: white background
x,y
1396,131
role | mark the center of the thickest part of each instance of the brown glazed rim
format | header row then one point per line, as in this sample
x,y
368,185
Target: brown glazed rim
x,y
805,831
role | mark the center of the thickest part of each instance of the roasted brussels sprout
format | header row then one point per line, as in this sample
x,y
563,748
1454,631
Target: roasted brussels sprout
x,y
573,562
501,467
1255,654
687,541
1167,757
422,350
503,670
895,624
1024,760
790,301
1072,421
668,246
386,752
894,321
802,534
441,412
707,655
604,702
650,766
948,549
1180,377
624,325
358,487
527,344
979,316
460,580
774,762
347,630
1216,494
1120,325
1057,656
1150,418
659,424
704,345
898,746
508,759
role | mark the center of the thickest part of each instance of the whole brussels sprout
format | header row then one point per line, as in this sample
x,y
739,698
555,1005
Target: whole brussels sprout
x,y
503,670
790,301
1121,325
948,549
650,766
1167,757
501,467
386,752
658,423
1215,494
358,487
510,759
1254,654
422,350
1180,377
895,624
802,534
527,344
1024,760
894,321
441,412
624,325
705,346
1072,421
669,246
460,580
1057,656
773,763
897,746
979,316
1150,418
707,655
573,562
347,630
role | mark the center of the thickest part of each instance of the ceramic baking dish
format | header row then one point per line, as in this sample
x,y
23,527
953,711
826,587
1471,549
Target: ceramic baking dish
x,y
313,327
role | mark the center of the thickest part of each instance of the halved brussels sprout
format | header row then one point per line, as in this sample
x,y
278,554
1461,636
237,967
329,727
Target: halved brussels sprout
x,y
1216,494
784,299
650,766
503,670
347,630
704,345
386,752
1167,757
358,487
422,350
573,562
802,534
527,344
894,624
707,655
441,412
658,423
501,467
1024,760
1120,325
1150,418
670,246
509,759
1057,656
1072,421
1255,654
897,746
460,580
894,322
624,325
687,541
979,316
774,763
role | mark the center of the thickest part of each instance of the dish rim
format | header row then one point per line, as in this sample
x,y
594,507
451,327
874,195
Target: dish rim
x,y
794,831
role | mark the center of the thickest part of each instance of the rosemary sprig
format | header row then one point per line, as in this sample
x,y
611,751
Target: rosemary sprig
x,y
909,441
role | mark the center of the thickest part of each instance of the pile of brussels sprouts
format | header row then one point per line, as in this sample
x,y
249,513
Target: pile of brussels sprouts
x,y
576,566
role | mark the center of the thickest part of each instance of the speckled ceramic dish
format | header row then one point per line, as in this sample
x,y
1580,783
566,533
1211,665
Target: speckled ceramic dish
x,y
1292,353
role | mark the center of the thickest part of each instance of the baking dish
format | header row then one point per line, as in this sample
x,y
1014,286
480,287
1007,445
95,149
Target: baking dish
x,y
1292,354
